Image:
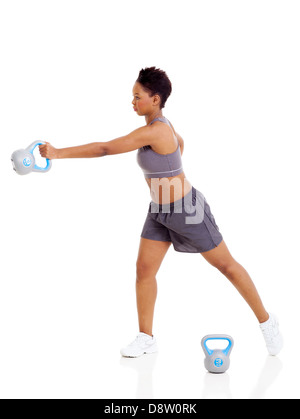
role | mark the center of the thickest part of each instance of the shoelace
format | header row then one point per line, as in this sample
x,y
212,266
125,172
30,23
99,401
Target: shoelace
x,y
137,340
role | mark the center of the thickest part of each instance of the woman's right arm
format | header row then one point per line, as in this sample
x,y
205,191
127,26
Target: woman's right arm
x,y
181,142
179,138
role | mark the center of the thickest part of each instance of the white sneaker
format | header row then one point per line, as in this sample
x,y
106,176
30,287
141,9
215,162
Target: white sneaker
x,y
273,337
143,344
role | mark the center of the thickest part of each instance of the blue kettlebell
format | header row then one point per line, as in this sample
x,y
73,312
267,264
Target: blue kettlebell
x,y
217,361
23,161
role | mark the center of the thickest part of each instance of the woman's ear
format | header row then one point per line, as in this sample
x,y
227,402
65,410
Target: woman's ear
x,y
156,99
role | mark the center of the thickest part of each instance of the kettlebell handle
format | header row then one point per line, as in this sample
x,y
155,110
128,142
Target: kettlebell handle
x,y
226,351
36,168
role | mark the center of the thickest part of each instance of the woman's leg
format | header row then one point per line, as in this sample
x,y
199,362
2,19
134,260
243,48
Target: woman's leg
x,y
150,256
221,259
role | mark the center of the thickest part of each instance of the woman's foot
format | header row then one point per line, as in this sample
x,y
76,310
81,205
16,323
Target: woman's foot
x,y
273,337
143,344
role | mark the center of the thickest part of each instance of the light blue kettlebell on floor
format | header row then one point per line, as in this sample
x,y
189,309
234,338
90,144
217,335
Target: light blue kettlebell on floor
x,y
23,161
217,361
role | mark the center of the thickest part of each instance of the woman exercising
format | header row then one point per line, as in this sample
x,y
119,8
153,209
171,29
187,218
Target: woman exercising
x,y
178,213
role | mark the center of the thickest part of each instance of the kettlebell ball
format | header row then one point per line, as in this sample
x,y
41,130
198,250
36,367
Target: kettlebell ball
x,y
23,160
217,361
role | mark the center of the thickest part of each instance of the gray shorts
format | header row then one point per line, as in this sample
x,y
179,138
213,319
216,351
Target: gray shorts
x,y
188,223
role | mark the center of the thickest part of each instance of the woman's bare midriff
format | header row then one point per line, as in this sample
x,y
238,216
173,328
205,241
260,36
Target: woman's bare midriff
x,y
168,189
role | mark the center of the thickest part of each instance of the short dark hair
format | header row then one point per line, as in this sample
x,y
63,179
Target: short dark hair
x,y
155,81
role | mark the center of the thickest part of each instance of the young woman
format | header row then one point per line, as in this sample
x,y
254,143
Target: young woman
x,y
178,213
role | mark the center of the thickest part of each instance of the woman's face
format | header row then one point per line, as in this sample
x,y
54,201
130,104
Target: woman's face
x,y
143,104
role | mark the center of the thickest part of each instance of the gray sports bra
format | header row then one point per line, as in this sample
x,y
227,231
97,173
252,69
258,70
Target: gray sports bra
x,y
156,165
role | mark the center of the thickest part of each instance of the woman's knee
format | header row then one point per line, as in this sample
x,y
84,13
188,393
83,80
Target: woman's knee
x,y
144,270
228,268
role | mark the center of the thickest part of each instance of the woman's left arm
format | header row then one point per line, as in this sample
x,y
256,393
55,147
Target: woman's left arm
x,y
136,139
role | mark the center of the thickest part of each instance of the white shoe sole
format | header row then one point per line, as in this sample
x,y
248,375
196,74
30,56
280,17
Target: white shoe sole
x,y
151,350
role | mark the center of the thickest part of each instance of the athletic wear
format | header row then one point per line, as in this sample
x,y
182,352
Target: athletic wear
x,y
143,344
273,337
156,165
188,223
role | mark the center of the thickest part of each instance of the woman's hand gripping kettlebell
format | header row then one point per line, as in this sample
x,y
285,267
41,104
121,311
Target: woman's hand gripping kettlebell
x,y
48,151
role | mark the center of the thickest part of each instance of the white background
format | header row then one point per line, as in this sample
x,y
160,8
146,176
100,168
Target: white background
x,y
69,238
